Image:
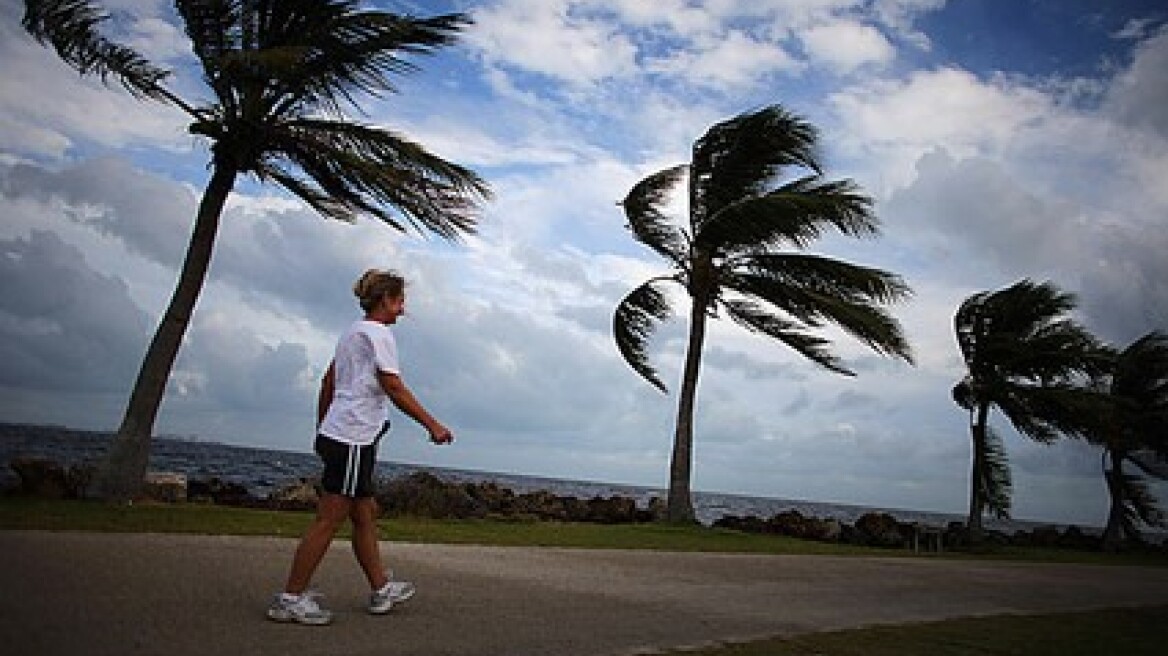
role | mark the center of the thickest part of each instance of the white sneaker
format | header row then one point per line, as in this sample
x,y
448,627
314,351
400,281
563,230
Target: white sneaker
x,y
302,610
393,592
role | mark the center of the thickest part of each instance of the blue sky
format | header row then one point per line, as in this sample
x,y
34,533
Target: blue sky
x,y
1000,140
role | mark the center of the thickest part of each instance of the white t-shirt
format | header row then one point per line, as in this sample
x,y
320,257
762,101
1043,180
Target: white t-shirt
x,y
359,406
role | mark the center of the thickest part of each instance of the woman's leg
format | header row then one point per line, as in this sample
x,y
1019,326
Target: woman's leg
x,y
363,514
331,511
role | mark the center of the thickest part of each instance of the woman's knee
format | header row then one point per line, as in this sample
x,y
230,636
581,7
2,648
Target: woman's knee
x,y
363,511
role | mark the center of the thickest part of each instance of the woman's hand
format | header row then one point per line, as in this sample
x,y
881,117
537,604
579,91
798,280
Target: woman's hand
x,y
440,434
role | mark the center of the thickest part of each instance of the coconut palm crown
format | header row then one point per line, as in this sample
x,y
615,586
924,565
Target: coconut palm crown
x,y
1026,357
281,75
1136,434
757,199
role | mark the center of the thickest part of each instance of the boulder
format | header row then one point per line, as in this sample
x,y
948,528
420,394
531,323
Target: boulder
x,y
48,479
790,523
301,494
218,491
879,529
422,494
612,510
168,487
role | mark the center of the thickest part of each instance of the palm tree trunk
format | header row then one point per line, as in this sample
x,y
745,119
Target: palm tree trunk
x,y
977,492
1115,533
679,508
123,472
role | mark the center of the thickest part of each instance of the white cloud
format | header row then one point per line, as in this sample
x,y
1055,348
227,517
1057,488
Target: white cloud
x,y
893,122
1139,94
66,107
727,62
846,45
552,39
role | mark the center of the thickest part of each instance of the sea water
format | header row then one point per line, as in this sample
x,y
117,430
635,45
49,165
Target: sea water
x,y
262,471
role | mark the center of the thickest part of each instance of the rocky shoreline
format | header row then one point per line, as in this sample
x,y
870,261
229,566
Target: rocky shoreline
x,y
424,495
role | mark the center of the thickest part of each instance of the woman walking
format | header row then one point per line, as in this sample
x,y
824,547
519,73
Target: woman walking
x,y
362,379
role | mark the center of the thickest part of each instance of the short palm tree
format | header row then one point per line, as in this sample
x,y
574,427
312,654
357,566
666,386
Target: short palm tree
x,y
280,74
741,252
1024,356
1137,434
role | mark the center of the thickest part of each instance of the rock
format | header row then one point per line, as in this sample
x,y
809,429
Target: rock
x,y
423,494
747,524
612,510
40,477
168,487
48,479
826,530
790,523
879,529
301,494
496,498
219,491
658,509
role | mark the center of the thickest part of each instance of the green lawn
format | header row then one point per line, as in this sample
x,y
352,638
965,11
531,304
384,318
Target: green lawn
x,y
38,514
1118,632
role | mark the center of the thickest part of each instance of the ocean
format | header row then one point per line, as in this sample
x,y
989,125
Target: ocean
x,y
263,470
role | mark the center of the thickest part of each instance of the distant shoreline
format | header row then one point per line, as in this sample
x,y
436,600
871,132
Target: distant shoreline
x,y
261,473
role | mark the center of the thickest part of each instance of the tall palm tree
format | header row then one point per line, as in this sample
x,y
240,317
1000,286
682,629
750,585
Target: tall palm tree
x,y
1024,356
740,252
281,74
1136,434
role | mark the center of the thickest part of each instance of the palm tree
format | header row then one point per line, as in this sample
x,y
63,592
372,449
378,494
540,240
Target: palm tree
x,y
741,253
1136,434
1025,357
281,74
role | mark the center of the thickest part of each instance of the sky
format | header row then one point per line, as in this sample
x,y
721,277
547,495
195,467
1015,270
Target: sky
x,y
998,139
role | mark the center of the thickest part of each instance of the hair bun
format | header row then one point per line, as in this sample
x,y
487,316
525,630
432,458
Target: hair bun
x,y
363,286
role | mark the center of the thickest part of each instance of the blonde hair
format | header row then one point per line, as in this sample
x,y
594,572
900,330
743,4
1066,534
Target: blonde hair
x,y
376,284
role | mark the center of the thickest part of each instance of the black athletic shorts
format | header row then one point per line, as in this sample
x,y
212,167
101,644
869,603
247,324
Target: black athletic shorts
x,y
348,468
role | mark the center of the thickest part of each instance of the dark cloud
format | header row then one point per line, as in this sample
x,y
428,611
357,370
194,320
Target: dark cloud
x,y
151,215
991,229
753,369
64,326
230,368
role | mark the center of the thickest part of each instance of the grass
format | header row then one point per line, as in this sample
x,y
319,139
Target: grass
x,y
207,519
39,514
1132,632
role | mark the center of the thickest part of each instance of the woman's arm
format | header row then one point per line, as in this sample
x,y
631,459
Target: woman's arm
x,y
403,398
325,398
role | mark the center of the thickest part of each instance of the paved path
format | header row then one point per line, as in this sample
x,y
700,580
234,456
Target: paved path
x,y
96,594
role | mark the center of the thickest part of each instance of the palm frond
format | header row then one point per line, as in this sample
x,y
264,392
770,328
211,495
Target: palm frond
x,y
634,322
1044,412
795,214
826,275
369,170
996,481
1140,503
1026,356
755,318
72,28
345,51
1140,381
815,290
740,157
648,223
1152,463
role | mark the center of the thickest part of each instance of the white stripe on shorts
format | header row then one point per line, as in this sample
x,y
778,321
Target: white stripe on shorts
x,y
352,471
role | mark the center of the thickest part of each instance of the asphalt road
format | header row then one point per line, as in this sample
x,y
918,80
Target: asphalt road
x,y
96,594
